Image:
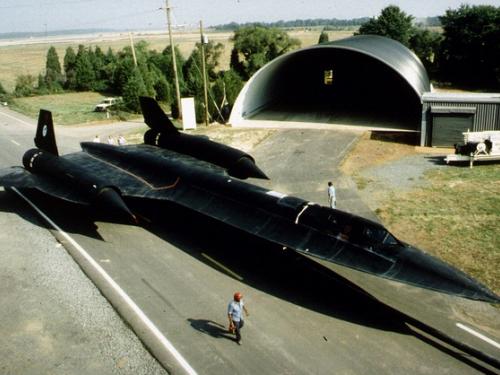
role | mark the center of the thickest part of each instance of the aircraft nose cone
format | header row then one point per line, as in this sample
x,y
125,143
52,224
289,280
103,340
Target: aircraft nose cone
x,y
427,271
244,168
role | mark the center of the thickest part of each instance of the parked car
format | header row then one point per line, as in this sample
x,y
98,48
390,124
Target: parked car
x,y
106,104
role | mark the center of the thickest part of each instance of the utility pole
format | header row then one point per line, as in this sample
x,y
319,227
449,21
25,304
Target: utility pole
x,y
174,63
133,48
203,71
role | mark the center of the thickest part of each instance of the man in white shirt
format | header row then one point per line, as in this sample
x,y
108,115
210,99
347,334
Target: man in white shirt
x,y
234,314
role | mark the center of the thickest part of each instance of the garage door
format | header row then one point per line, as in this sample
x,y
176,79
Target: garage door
x,y
447,128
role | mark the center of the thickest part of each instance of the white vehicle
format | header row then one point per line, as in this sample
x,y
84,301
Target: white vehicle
x,y
106,104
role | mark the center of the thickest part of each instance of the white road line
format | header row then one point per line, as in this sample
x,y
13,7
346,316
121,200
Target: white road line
x,y
141,315
17,144
15,118
479,335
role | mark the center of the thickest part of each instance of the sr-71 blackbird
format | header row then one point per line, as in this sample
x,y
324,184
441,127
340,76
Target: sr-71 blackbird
x,y
196,174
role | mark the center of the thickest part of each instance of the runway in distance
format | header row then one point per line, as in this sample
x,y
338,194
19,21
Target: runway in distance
x,y
197,174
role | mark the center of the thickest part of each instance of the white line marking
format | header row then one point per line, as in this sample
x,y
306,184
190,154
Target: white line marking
x,y
15,118
17,144
167,344
479,335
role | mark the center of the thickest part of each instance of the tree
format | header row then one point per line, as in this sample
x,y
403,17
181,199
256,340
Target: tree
x,y
426,45
53,79
192,69
70,69
471,46
254,46
42,88
25,85
224,93
193,75
213,52
98,60
323,37
124,67
235,63
85,74
134,88
4,96
146,69
164,91
392,23
163,62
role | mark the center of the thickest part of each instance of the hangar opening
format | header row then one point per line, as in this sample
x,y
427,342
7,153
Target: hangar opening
x,y
364,80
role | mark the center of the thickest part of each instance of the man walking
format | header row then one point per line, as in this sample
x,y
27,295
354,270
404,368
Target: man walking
x,y
332,199
234,314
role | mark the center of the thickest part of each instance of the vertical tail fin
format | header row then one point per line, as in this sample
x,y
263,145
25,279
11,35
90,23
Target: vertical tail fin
x,y
154,116
45,138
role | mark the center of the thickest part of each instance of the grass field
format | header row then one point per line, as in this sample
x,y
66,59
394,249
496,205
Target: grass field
x,y
455,216
21,59
68,109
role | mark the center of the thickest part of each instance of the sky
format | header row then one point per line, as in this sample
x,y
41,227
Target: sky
x,y
50,15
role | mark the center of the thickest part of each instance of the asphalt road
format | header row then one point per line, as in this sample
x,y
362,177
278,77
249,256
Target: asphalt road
x,y
54,320
181,272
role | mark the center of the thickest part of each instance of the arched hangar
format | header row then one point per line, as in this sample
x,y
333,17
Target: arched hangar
x,y
363,80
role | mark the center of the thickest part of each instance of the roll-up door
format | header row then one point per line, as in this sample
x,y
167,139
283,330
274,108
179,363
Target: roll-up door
x,y
448,126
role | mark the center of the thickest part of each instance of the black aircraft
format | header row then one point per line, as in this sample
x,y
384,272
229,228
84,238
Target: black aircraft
x,y
109,176
163,133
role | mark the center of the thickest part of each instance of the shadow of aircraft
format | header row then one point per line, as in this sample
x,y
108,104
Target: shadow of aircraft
x,y
262,265
268,267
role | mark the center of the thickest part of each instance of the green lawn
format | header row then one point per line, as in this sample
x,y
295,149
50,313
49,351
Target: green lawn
x,y
457,218
68,109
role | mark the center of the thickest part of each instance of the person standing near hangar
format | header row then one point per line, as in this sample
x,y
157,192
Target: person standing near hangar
x,y
332,198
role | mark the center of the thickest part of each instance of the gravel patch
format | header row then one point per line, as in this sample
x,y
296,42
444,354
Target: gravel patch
x,y
400,176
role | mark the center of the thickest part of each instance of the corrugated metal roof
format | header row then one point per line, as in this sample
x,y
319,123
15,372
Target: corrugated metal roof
x,y
391,53
465,97
258,91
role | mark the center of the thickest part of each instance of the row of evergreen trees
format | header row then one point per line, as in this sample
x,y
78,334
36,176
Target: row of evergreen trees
x,y
90,69
151,73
